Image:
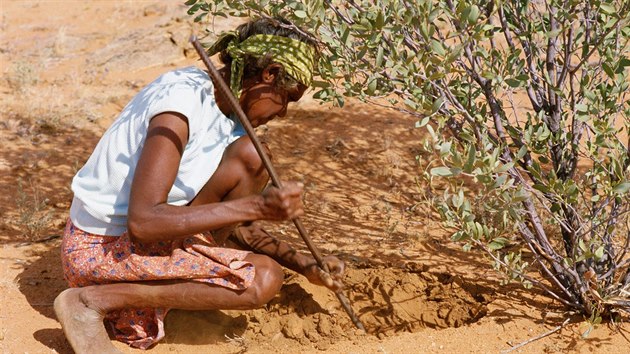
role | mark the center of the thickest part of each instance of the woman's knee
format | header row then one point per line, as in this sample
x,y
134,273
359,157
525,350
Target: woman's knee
x,y
268,281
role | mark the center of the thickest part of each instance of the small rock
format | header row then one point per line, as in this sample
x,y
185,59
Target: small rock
x,y
294,328
268,328
323,345
324,326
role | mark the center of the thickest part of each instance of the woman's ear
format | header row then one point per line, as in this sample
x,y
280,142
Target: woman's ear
x,y
271,72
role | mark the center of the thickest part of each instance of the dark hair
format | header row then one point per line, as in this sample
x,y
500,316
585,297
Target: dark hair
x,y
276,27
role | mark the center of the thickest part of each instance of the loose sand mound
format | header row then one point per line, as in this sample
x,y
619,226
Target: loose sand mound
x,y
386,300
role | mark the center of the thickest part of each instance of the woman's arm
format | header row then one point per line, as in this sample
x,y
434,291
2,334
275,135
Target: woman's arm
x,y
253,237
150,218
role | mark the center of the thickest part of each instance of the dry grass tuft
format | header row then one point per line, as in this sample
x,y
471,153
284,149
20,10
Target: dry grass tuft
x,y
34,214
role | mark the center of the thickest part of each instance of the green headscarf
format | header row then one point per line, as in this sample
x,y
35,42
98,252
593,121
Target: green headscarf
x,y
297,57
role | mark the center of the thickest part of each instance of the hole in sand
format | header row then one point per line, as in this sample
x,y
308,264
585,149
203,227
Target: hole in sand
x,y
386,300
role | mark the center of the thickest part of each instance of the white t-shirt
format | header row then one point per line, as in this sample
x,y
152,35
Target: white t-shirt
x,y
102,187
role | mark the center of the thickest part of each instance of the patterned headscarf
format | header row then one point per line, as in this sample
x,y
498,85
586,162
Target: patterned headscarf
x,y
297,57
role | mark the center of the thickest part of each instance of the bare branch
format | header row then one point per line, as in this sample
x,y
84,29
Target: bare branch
x,y
534,92
568,44
596,45
537,337
523,275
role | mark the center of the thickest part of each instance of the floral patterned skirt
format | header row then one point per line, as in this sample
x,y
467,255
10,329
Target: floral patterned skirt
x,y
90,259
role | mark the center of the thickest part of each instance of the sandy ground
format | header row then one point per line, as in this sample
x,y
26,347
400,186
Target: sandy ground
x,y
69,66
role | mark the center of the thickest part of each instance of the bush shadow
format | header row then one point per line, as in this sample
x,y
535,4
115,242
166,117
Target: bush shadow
x,y
41,279
35,192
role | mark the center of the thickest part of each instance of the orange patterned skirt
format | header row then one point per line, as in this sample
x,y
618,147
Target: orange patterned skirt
x,y
90,259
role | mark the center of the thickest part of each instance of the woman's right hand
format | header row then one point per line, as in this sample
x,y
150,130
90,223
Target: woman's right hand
x,y
283,203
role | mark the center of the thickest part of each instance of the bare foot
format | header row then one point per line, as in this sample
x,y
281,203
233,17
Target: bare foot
x,y
83,326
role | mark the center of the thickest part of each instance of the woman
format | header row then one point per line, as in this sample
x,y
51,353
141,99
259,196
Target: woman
x,y
164,209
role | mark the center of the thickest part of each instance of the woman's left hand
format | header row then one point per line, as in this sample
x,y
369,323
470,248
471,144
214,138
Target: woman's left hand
x,y
318,276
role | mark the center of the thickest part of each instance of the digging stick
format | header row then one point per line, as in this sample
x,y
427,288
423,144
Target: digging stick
x,y
236,107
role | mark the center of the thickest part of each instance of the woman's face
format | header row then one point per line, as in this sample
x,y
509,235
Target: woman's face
x,y
262,101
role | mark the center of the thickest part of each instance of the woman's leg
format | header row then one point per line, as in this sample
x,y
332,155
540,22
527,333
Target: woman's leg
x,y
81,310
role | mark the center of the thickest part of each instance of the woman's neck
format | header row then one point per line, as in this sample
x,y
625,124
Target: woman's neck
x,y
221,101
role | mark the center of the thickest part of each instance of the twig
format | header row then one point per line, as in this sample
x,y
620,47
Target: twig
x,y
526,277
41,240
537,338
621,332
597,44
47,238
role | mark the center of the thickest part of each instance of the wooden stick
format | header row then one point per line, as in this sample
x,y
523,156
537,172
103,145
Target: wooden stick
x,y
537,337
236,107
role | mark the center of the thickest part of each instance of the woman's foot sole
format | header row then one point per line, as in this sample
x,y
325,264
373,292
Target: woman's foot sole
x,y
82,325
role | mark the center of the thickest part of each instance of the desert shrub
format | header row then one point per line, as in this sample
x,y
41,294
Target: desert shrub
x,y
22,75
525,103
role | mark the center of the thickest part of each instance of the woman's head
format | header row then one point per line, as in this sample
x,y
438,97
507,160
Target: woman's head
x,y
255,45
253,65
271,64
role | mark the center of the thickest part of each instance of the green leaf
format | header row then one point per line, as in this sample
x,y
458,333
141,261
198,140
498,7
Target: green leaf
x,y
580,107
380,20
473,14
445,171
470,161
470,14
607,8
499,181
542,188
437,48
371,86
608,70
599,253
488,75
445,148
498,243
521,152
582,245
520,196
193,9
457,236
379,57
622,187
322,84
321,94
437,104
190,2
411,104
200,17
513,82
300,13
423,122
